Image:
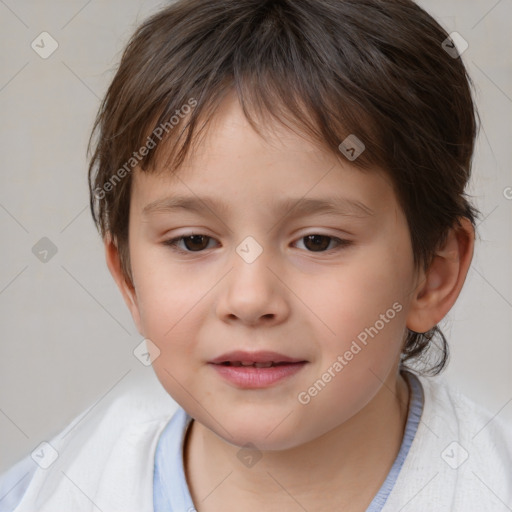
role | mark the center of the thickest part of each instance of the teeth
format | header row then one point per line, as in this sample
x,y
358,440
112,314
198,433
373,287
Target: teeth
x,y
268,364
263,365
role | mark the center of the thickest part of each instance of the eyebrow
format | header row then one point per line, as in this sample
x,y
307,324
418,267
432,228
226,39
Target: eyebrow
x,y
289,206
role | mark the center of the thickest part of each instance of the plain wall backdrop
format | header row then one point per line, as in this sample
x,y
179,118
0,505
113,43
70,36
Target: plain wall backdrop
x,y
67,337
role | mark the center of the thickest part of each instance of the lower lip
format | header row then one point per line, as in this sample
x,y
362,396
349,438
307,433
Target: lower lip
x,y
250,377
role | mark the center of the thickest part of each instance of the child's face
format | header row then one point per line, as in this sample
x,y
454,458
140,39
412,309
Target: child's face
x,y
305,298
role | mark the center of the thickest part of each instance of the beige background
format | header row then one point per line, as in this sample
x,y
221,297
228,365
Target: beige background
x,y
67,338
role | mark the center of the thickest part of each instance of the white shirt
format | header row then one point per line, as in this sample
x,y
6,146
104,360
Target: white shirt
x,y
460,459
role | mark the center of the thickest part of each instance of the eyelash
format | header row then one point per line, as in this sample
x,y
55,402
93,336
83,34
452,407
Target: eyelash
x,y
173,243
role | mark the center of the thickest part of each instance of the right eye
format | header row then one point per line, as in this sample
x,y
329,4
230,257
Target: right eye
x,y
193,243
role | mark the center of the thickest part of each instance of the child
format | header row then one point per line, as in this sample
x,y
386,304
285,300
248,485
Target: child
x,y
256,130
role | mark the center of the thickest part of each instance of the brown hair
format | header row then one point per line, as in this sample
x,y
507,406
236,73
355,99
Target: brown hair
x,y
328,68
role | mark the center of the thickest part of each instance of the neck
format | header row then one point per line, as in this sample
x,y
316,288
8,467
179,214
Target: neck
x,y
343,468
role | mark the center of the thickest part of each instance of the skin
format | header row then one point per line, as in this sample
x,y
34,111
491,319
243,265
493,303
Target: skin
x,y
335,451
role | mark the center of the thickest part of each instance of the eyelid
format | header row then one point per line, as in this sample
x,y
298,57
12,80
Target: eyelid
x,y
172,242
340,242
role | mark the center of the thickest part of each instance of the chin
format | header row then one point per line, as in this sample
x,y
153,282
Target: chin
x,y
265,435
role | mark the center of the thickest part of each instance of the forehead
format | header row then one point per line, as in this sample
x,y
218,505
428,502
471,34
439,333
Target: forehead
x,y
229,160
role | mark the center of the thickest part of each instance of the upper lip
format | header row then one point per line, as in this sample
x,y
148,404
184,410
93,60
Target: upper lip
x,y
255,357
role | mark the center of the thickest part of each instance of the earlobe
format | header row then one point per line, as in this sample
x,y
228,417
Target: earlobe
x,y
441,283
126,288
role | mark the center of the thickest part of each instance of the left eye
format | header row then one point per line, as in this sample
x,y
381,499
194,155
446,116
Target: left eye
x,y
314,243
319,243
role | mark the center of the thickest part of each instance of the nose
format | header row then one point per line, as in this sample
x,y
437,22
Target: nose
x,y
252,293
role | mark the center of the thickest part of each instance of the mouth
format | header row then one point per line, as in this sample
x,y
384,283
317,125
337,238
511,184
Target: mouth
x,y
268,364
257,369
259,359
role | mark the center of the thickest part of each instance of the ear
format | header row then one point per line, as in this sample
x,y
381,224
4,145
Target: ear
x,y
440,285
126,288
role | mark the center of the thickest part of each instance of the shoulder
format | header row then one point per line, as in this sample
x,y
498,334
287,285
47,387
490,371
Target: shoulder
x,y
104,446
460,459
134,403
470,421
14,483
476,447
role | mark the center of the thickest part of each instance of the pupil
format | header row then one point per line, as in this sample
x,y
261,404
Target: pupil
x,y
316,244
195,239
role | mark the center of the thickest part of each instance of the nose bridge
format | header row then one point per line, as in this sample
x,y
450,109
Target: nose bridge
x,y
250,266
252,290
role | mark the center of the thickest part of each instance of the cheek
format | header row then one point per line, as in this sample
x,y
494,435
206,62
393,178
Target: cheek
x,y
168,299
365,303
170,307
357,296
365,310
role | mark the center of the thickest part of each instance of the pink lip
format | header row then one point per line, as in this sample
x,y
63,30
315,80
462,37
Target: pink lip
x,y
250,377
262,356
